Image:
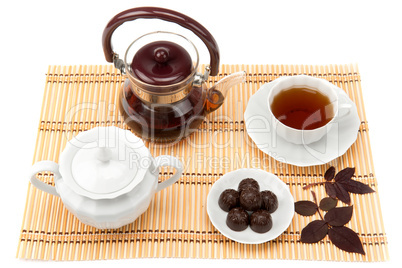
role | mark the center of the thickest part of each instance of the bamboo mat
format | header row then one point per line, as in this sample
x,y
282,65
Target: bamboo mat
x,y
78,98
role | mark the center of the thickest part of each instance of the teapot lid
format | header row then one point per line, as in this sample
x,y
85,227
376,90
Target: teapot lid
x,y
104,162
161,63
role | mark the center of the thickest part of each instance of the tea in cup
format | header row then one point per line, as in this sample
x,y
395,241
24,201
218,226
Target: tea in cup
x,y
304,108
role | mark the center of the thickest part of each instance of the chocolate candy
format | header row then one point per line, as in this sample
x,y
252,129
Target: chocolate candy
x,y
261,221
269,201
237,219
248,183
250,199
229,199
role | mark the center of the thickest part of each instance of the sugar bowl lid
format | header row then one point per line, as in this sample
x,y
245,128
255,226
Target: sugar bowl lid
x,y
104,162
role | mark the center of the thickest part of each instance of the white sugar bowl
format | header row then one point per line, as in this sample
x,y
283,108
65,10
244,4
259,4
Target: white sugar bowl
x,y
106,176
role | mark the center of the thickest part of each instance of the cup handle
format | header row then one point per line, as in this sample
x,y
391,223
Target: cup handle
x,y
344,108
168,160
41,167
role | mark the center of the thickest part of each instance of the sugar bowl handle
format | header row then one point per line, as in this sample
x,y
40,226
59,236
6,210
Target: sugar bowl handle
x,y
162,14
43,166
168,160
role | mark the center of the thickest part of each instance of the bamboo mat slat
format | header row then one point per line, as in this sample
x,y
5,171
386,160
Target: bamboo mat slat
x,y
78,98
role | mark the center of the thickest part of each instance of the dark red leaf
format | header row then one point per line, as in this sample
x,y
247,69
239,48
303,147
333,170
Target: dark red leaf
x,y
328,203
330,189
329,174
339,216
346,239
314,231
345,174
305,208
356,187
341,193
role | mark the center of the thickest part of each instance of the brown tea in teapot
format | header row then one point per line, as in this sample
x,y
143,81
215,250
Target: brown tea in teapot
x,y
168,122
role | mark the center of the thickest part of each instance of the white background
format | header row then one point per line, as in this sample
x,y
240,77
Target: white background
x,y
35,34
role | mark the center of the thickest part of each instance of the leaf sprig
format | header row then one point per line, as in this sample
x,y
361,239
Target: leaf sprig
x,y
337,186
341,185
332,224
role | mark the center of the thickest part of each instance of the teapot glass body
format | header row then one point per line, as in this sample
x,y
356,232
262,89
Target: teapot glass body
x,y
167,121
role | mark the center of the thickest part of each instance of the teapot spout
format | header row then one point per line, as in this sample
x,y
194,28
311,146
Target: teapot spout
x,y
216,95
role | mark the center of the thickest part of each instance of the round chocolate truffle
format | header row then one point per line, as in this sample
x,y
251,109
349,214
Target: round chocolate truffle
x,y
269,201
250,199
248,183
261,221
237,219
229,199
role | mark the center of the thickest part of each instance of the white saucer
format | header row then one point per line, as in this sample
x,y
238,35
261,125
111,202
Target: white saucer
x,y
281,218
337,141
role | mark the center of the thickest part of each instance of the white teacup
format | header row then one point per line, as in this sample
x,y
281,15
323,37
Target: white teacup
x,y
338,108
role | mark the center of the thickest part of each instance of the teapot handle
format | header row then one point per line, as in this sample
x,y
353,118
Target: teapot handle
x,y
168,160
163,14
41,167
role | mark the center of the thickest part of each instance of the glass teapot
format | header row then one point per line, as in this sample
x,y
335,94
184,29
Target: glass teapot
x,y
164,97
